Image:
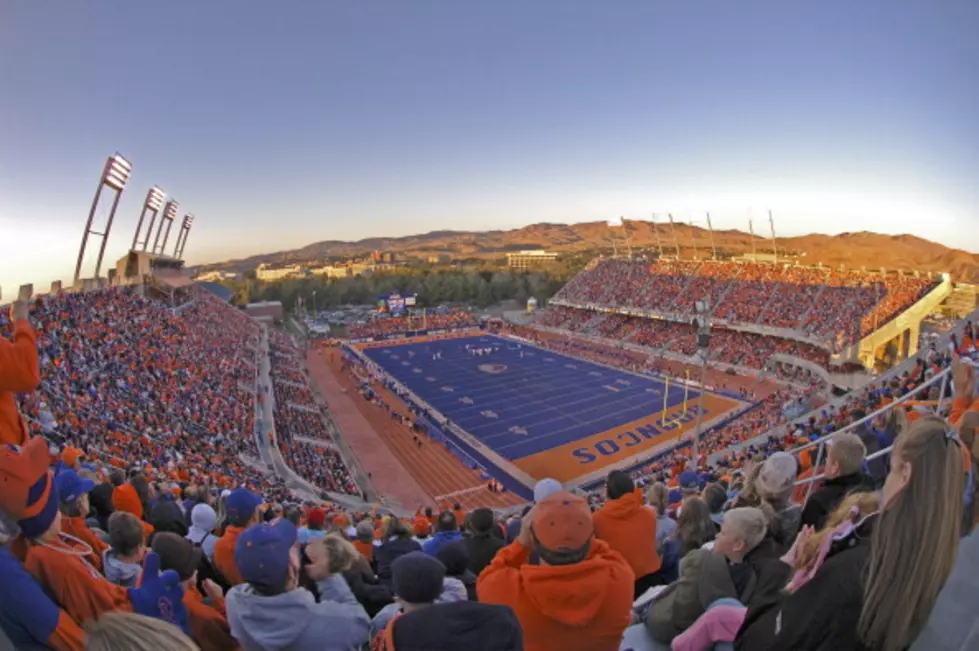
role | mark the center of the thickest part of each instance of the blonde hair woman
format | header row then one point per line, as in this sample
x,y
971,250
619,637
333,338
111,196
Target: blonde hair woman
x,y
879,581
129,632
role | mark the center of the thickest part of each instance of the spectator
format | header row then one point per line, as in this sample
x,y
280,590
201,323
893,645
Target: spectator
x,y
694,527
457,625
129,632
241,509
100,498
715,497
657,495
123,560
446,531
952,625
271,611
707,576
579,597
126,499
422,529
19,373
774,485
876,588
481,545
689,484
168,516
630,529
545,488
844,475
208,624
315,526
418,580
74,491
456,560
396,541
203,520
364,542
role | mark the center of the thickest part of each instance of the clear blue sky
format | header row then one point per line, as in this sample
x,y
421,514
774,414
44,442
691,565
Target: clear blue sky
x,y
280,124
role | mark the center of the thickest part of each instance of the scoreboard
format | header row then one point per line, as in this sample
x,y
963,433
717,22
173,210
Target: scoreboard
x,y
396,303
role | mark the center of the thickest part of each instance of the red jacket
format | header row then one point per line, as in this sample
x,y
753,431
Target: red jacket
x,y
20,372
581,607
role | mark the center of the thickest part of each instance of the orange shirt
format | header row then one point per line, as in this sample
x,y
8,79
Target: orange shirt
x,y
72,582
224,555
208,623
629,528
366,550
19,373
76,527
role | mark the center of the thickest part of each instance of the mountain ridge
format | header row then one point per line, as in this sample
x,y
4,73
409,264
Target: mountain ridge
x,y
852,249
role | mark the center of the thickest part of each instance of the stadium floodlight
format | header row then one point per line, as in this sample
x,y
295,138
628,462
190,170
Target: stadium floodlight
x,y
169,214
152,204
115,175
178,251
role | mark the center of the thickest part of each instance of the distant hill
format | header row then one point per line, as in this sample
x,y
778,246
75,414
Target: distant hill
x,y
855,250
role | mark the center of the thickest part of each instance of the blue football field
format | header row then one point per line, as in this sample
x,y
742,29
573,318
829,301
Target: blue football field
x,y
520,400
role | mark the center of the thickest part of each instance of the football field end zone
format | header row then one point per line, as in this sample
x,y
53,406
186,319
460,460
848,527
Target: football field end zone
x,y
512,477
579,461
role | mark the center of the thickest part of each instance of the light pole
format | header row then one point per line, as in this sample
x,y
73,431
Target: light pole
x,y
152,204
169,214
115,175
702,323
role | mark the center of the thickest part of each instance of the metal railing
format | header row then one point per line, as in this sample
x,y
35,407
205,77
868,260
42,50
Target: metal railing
x,y
821,443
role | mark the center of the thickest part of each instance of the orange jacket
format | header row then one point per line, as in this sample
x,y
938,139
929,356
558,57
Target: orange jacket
x,y
76,527
581,607
20,372
208,623
224,555
629,528
72,582
366,550
959,407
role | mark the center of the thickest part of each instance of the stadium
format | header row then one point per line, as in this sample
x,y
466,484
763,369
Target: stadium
x,y
143,414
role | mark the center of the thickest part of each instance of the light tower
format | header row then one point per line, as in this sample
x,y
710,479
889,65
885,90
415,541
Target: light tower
x,y
115,175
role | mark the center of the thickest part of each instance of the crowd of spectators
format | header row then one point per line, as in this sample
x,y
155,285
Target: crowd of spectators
x,y
391,325
850,303
297,414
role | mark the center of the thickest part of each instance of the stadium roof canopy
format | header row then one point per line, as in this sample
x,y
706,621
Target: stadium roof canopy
x,y
218,290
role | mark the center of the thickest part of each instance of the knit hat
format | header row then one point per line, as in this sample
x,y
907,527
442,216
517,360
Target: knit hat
x,y
455,557
481,520
563,522
203,517
241,505
421,527
777,476
316,518
262,553
417,578
20,469
27,488
545,488
689,481
125,498
447,521
71,486
177,553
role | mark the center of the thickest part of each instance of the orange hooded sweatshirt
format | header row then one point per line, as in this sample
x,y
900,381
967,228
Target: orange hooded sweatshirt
x,y
629,528
581,607
76,527
20,372
224,555
208,623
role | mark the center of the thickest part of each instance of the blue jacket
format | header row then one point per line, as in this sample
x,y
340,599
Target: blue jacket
x,y
293,621
27,614
440,540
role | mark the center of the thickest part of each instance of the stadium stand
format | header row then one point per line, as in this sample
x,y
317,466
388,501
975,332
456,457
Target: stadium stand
x,y
147,409
850,303
383,326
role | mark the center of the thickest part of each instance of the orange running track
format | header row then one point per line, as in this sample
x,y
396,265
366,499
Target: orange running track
x,y
439,473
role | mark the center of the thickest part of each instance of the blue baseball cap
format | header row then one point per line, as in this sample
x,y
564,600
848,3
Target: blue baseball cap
x,y
262,552
71,486
689,481
240,505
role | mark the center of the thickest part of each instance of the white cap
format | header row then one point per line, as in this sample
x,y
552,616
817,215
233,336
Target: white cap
x,y
225,492
545,488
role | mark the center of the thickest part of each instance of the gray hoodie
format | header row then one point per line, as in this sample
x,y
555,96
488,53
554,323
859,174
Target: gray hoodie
x,y
953,625
120,572
293,621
